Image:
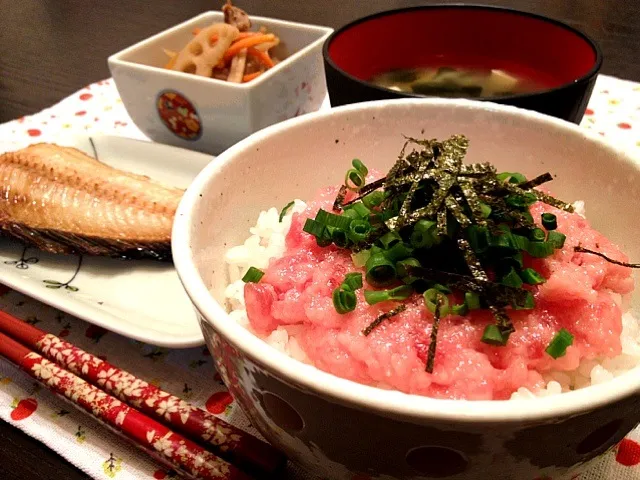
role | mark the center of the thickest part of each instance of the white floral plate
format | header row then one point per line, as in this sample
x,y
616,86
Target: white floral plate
x,y
143,300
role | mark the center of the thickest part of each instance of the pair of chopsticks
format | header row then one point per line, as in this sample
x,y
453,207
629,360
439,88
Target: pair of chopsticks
x,y
141,412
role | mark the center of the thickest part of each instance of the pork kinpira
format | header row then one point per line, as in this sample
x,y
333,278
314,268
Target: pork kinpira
x,y
61,200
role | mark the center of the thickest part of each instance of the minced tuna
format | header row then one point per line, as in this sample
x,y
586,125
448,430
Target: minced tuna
x,y
582,294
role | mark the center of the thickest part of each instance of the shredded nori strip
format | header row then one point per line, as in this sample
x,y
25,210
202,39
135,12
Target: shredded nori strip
x,y
602,255
537,181
383,317
431,353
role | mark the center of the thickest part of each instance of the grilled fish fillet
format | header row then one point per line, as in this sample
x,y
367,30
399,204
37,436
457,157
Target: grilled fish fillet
x,y
60,200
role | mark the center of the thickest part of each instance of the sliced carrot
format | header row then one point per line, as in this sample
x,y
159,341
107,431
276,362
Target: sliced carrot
x,y
250,76
196,31
242,35
262,57
251,41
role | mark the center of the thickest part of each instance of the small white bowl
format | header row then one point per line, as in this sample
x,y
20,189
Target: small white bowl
x,y
339,428
211,115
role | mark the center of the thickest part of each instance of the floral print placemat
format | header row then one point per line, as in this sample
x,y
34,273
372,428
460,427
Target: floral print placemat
x,y
614,112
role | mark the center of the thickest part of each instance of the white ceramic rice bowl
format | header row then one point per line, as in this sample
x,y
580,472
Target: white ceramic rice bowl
x,y
341,429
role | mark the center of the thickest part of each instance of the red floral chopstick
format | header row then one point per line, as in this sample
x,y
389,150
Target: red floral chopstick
x,y
235,445
168,446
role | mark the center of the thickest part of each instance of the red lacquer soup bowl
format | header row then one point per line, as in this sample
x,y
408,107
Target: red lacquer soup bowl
x,y
562,61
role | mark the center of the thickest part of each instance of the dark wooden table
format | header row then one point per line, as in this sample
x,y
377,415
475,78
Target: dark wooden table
x,y
51,48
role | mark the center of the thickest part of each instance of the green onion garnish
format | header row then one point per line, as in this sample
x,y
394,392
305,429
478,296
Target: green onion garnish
x,y
398,252
389,239
253,275
549,221
344,301
399,293
339,237
527,304
556,239
540,249
352,281
359,166
314,228
511,278
425,234
493,336
511,177
284,211
531,277
537,235
432,297
360,258
359,230
354,180
373,199
461,309
332,220
380,270
360,210
472,300
401,269
558,346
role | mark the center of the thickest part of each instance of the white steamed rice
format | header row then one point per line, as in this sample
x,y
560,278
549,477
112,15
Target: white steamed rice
x,y
267,241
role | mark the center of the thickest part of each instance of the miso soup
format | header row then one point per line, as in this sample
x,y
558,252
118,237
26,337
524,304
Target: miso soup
x,y
455,82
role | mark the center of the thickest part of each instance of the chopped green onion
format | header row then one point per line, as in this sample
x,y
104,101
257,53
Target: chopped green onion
x,y
380,270
344,301
359,230
472,300
478,238
549,221
399,293
493,336
441,288
537,235
313,227
325,239
389,239
531,277
556,239
461,309
359,166
425,234
373,199
284,211
360,258
506,241
332,220
354,180
486,210
403,273
511,279
398,252
521,242
352,281
558,346
360,209
527,304
521,201
339,237
540,249
511,177
253,275
431,298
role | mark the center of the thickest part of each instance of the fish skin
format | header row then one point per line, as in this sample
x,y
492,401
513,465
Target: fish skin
x,y
61,200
